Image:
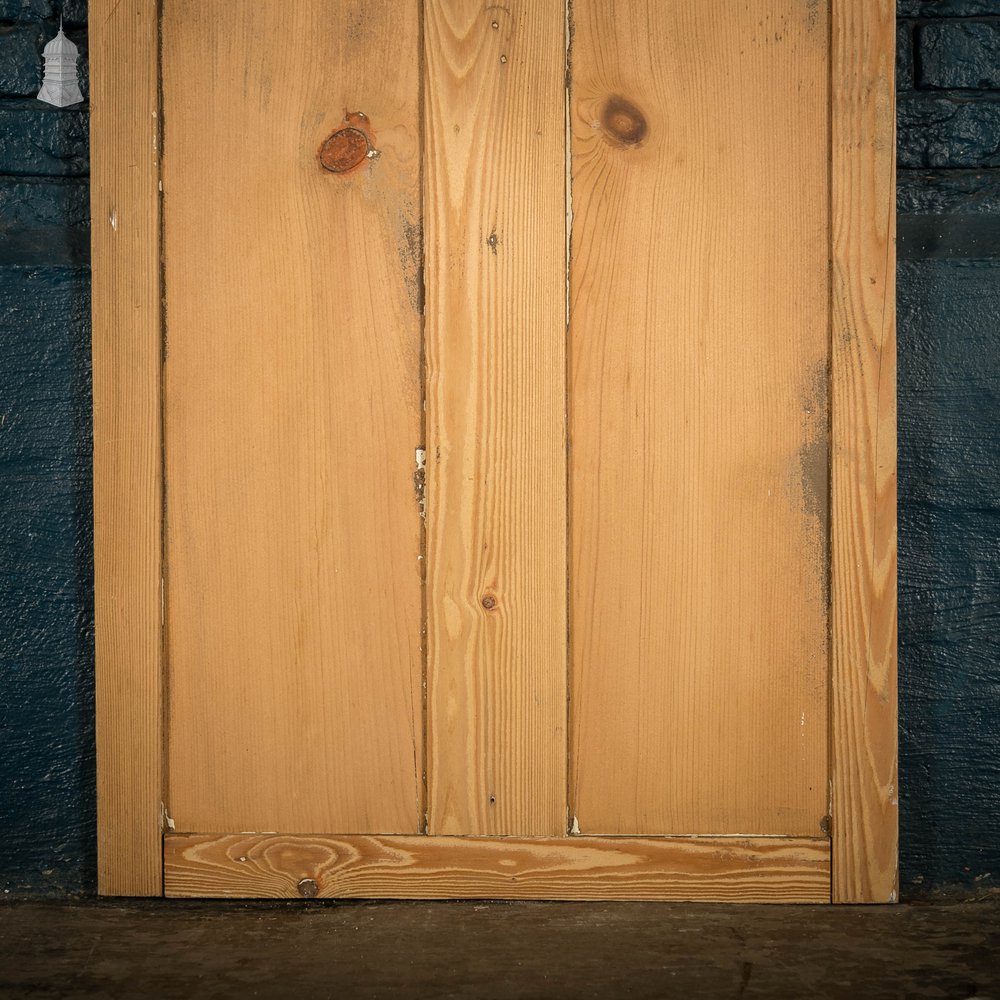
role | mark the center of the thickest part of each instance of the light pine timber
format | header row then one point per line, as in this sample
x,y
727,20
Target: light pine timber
x,y
125,234
709,869
864,771
292,415
494,210
699,358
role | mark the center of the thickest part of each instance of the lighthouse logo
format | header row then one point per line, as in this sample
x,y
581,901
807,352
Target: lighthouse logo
x,y
59,84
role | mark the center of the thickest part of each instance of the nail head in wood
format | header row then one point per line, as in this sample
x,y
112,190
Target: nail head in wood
x,y
308,888
344,150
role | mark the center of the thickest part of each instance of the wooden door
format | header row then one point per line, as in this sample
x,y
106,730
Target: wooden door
x,y
494,449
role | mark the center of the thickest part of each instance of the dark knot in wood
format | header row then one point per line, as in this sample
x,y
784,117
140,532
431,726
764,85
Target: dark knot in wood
x,y
623,122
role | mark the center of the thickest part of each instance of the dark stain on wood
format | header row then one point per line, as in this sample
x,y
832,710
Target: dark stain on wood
x,y
411,258
812,14
814,468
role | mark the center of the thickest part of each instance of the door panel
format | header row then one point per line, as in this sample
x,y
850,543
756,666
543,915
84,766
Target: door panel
x,y
699,416
292,413
494,208
494,562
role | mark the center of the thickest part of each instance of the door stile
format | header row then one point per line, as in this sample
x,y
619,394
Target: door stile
x,y
125,234
863,681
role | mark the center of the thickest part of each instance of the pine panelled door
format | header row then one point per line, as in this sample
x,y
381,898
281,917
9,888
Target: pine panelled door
x,y
495,449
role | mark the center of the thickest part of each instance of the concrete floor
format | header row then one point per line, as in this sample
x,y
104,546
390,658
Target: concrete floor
x,y
168,950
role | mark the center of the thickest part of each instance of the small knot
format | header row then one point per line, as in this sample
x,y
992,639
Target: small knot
x,y
623,121
489,602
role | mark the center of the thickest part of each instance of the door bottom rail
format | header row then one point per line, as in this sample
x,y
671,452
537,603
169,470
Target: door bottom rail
x,y
706,869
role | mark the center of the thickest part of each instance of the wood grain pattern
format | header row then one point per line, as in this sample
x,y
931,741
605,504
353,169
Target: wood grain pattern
x,y
863,730
292,413
705,869
718,378
698,416
125,234
495,350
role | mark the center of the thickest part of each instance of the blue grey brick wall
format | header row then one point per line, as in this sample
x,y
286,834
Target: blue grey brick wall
x,y
949,461
47,802
949,442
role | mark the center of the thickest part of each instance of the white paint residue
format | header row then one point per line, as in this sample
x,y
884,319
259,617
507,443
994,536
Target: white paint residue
x,y
420,457
165,821
575,828
113,219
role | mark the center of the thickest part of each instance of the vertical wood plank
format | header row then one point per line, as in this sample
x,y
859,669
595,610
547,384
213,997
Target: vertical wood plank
x,y
699,355
292,415
125,233
495,353
863,758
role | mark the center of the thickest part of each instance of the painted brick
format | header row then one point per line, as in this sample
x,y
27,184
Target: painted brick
x,y
904,56
82,62
962,192
949,572
949,460
25,10
946,8
29,202
74,12
944,132
44,221
961,54
948,214
21,59
40,140
47,810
